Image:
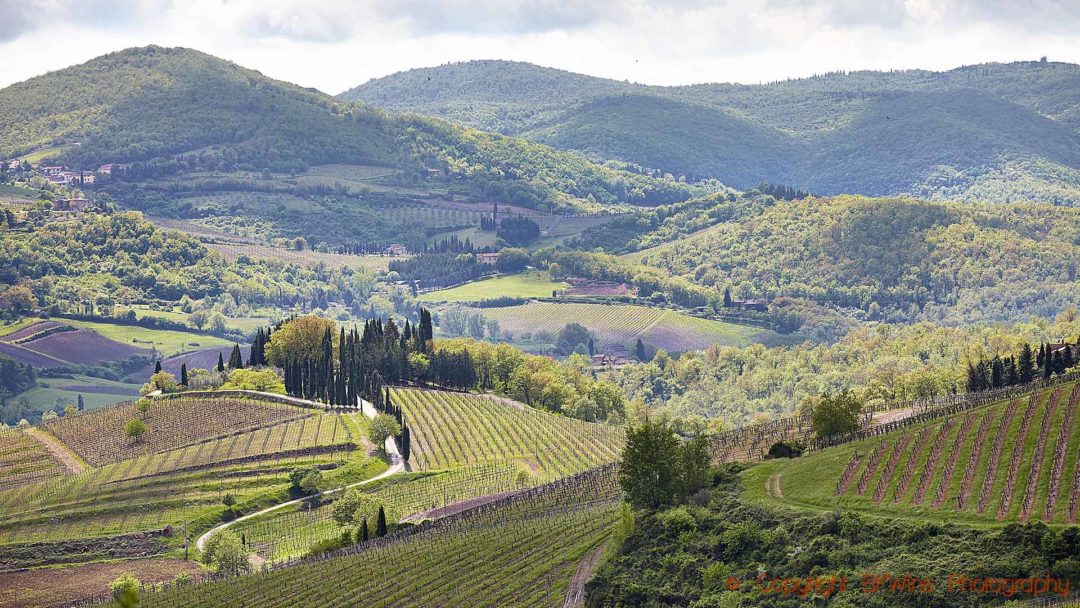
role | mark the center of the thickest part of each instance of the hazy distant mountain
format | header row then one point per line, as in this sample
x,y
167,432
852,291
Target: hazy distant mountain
x,y
997,131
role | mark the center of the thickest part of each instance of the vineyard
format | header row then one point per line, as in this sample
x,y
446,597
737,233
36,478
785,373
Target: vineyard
x,y
522,550
291,533
1013,460
24,460
666,329
172,488
99,437
456,429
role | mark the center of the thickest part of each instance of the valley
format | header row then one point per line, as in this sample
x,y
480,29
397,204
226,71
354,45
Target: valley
x,y
496,334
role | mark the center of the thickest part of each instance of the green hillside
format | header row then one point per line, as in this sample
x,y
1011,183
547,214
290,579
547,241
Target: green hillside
x,y
147,102
893,259
835,133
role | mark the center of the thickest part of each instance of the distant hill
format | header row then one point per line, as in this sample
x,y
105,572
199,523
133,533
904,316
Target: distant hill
x,y
958,134
185,122
142,103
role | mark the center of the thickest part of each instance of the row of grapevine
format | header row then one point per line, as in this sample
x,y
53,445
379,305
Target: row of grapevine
x,y
909,468
926,474
995,454
899,446
954,456
973,460
871,467
1061,448
1017,456
24,460
1028,502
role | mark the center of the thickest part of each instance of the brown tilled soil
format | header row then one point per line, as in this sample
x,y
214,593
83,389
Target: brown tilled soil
x,y
52,586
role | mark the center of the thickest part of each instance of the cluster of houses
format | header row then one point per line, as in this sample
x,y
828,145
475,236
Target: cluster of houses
x,y
613,357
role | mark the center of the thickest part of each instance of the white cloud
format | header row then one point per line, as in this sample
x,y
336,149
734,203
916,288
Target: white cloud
x,y
336,45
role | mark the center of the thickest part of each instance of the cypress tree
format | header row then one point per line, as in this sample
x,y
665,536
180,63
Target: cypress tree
x,y
1024,366
220,362
236,360
363,530
157,366
183,374
380,524
81,403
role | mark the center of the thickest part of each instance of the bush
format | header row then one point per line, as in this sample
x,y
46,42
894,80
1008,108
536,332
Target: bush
x,y
782,449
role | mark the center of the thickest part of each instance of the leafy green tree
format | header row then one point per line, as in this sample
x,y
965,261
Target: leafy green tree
x,y
648,473
835,415
135,428
694,461
264,380
305,479
125,590
511,259
382,427
353,508
226,553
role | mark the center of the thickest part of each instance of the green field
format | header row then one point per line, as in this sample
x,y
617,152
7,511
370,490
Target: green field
x,y
245,324
100,392
166,341
962,468
625,324
535,284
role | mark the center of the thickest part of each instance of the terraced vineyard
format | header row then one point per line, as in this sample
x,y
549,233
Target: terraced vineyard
x,y
619,324
455,429
232,251
522,550
99,438
169,488
1014,460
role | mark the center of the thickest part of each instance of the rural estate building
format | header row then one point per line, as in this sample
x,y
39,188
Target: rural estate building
x,y
487,258
396,249
72,204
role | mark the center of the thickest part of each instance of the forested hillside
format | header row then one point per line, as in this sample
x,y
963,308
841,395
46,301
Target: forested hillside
x,y
892,259
835,133
147,102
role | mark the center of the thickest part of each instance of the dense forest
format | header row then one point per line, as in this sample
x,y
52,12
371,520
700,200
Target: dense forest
x,y
823,134
892,259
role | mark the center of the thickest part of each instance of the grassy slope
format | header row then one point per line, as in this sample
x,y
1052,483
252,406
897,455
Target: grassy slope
x,y
617,324
525,285
167,341
810,482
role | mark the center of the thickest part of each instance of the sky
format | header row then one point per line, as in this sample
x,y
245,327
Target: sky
x,y
335,45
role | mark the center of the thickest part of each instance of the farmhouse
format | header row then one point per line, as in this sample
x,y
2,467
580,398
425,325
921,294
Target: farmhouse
x,y
759,305
396,249
487,258
72,204
52,170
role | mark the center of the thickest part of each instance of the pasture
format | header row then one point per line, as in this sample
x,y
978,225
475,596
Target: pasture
x,y
624,325
533,284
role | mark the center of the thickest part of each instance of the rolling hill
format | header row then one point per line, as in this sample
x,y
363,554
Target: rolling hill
x,y
830,134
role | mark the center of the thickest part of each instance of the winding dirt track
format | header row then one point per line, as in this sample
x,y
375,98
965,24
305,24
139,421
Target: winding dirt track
x,y
575,594
57,450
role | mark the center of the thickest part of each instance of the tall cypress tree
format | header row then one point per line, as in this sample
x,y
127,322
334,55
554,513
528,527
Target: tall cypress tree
x,y
236,360
380,524
363,530
220,362
157,366
1025,365
183,374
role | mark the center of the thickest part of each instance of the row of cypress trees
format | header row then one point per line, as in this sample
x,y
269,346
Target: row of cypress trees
x,y
998,372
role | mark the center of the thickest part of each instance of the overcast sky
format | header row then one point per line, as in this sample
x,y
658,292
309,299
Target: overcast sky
x,y
334,45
